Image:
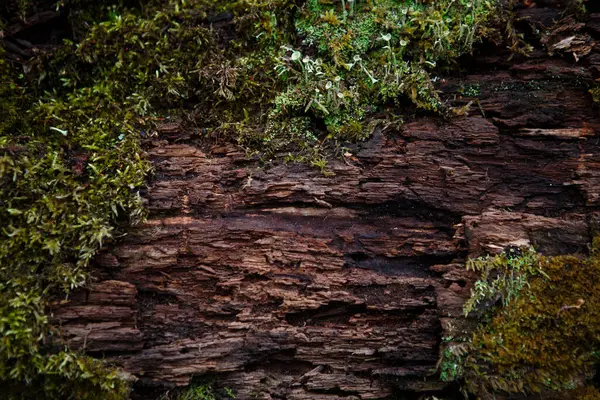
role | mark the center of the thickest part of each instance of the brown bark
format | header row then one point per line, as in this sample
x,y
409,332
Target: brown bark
x,y
290,284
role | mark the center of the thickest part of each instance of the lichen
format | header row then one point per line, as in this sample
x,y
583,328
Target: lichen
x,y
539,327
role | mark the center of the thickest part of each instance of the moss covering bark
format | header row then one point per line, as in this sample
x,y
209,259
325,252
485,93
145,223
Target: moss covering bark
x,y
540,326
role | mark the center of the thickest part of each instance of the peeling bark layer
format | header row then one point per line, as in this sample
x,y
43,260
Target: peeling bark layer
x,y
290,284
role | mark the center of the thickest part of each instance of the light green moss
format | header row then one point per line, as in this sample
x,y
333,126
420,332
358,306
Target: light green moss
x,y
352,61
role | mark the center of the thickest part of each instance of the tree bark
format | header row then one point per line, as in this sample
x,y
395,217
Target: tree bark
x,y
290,284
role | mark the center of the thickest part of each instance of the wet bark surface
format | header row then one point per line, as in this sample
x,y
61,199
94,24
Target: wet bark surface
x,y
288,284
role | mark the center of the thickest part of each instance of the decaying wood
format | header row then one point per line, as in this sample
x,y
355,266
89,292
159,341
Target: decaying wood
x,y
290,284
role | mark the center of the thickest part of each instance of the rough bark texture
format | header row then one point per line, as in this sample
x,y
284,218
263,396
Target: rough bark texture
x,y
290,284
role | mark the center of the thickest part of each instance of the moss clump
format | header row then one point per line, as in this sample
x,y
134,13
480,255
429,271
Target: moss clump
x,y
352,58
595,92
203,390
541,325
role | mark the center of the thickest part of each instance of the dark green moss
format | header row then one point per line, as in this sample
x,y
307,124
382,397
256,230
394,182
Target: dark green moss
x,y
545,333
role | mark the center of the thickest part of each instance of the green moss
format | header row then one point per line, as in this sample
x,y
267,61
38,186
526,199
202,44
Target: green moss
x,y
595,92
540,328
351,62
303,79
201,390
472,90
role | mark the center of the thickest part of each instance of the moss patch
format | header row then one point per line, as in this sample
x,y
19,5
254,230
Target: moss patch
x,y
595,92
350,59
540,329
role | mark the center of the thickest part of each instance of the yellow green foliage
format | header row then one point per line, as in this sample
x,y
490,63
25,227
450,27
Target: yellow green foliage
x,y
541,330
